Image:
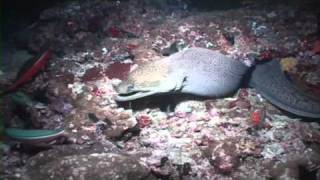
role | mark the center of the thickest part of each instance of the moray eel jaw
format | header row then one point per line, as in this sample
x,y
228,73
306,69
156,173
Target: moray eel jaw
x,y
127,92
130,91
136,95
125,87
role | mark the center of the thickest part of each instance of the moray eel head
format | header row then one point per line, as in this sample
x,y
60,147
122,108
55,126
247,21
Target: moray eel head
x,y
125,87
128,91
146,80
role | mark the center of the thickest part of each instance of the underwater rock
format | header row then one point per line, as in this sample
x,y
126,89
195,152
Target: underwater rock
x,y
85,50
223,156
85,162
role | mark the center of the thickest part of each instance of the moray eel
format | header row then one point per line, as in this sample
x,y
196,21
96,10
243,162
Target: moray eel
x,y
204,72
270,81
195,71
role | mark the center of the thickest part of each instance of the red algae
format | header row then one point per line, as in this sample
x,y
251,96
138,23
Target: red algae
x,y
92,74
114,32
144,120
316,47
118,70
257,117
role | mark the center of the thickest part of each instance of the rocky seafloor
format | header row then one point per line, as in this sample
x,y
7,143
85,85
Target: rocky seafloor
x,y
97,43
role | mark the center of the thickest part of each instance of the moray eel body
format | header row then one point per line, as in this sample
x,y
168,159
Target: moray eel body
x,y
195,71
270,81
204,72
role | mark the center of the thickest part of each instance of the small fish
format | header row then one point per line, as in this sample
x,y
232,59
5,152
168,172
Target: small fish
x,y
30,72
33,136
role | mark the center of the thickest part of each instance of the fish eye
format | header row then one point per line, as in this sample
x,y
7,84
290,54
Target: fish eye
x,y
130,87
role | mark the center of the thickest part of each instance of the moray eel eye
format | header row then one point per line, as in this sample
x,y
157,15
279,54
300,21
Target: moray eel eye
x,y
126,89
130,88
